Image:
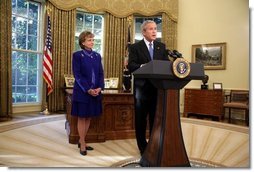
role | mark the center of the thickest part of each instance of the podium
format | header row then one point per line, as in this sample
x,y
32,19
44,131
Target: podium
x,y
165,147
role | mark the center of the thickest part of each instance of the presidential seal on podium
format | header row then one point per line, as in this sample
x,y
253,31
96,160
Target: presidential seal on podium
x,y
181,68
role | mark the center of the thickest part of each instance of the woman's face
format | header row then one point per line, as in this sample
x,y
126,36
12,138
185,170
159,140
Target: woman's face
x,y
89,42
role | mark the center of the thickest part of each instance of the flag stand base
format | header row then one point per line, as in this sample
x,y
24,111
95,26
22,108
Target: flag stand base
x,y
46,111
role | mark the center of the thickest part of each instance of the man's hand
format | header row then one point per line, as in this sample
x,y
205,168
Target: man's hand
x,y
142,65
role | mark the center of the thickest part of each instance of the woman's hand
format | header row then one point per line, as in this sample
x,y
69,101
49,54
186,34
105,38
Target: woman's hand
x,y
97,91
94,92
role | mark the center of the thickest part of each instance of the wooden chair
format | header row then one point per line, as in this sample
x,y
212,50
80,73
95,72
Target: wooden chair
x,y
239,99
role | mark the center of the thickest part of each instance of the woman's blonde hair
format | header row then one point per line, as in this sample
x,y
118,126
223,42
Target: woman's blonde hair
x,y
83,36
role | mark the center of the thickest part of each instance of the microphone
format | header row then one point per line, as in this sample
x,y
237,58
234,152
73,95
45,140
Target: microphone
x,y
171,54
177,53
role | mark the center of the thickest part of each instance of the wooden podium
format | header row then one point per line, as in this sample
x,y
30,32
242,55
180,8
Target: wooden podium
x,y
166,146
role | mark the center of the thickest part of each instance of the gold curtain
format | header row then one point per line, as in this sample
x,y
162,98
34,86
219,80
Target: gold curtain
x,y
123,8
169,32
5,60
63,30
116,35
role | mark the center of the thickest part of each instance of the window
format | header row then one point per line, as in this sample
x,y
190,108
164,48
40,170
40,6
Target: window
x,y
26,52
138,23
93,23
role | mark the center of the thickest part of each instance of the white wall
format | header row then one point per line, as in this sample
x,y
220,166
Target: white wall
x,y
214,21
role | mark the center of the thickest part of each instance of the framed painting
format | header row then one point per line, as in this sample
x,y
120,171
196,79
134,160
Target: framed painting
x,y
114,83
217,86
213,56
111,83
106,83
69,81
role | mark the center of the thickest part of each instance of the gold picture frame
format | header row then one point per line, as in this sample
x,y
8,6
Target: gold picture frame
x,y
217,86
213,56
106,83
111,83
69,81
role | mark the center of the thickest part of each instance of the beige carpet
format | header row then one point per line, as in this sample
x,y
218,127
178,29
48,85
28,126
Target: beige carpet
x,y
46,145
43,142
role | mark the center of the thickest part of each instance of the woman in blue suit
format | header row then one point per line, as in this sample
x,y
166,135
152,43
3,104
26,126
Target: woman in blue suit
x,y
89,81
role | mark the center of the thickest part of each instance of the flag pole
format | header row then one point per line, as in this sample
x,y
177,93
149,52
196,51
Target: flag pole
x,y
46,111
47,78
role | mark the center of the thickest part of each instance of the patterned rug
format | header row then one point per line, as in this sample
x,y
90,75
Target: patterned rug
x,y
134,163
43,142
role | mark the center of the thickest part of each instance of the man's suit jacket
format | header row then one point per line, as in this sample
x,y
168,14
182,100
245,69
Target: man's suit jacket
x,y
139,54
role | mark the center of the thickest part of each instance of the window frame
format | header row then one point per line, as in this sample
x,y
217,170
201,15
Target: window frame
x,y
102,29
33,106
159,34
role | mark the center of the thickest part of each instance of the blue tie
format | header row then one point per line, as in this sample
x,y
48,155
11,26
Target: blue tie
x,y
151,50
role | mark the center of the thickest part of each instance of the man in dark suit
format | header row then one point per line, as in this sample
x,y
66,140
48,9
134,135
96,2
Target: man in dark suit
x,y
145,94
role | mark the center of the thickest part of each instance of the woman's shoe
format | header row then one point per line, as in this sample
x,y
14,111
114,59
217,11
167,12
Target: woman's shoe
x,y
83,152
87,147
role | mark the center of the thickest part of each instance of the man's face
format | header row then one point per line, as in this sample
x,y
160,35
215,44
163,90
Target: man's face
x,y
150,32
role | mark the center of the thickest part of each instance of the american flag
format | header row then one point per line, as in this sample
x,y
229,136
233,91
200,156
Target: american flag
x,y
47,60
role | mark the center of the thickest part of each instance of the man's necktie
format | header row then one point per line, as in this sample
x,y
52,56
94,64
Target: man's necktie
x,y
151,50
